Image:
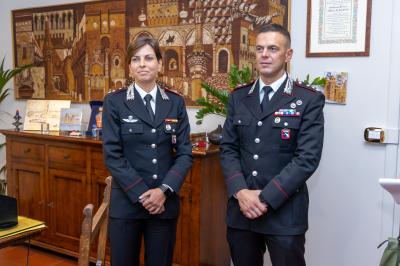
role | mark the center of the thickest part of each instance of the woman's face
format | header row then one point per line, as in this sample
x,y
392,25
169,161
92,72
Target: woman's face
x,y
144,65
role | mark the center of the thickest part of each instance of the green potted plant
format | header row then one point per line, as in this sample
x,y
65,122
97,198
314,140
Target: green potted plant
x,y
218,103
5,76
315,83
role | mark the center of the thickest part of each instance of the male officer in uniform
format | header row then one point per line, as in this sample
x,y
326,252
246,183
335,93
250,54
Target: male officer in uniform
x,y
272,143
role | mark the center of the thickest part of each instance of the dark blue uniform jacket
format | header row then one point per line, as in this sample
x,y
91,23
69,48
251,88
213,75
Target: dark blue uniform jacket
x,y
276,151
141,154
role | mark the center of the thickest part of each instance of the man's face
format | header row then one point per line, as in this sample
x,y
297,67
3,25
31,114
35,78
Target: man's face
x,y
272,53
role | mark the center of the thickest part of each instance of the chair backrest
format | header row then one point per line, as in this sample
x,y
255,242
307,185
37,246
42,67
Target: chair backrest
x,y
93,226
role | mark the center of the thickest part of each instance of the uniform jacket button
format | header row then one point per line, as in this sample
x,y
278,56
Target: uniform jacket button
x,y
255,157
257,140
259,123
153,146
154,161
254,173
154,176
153,130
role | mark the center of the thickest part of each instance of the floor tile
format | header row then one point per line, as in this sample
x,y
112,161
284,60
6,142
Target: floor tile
x,y
7,262
16,256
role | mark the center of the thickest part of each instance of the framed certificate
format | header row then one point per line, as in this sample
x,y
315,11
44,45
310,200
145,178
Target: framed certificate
x,y
338,28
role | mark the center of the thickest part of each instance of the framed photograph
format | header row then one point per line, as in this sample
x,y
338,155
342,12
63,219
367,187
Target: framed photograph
x,y
335,89
70,119
338,28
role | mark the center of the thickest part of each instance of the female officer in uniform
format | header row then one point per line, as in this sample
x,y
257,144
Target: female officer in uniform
x,y
147,150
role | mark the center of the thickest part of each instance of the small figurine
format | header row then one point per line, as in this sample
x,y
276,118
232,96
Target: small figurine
x,y
17,123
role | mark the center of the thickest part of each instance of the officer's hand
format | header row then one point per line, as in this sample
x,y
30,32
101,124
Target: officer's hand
x,y
153,200
250,204
159,210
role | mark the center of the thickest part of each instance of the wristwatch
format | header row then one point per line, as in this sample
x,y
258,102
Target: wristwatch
x,y
166,190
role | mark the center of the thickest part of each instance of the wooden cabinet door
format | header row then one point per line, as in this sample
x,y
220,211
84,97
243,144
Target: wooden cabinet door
x,y
29,188
68,194
183,232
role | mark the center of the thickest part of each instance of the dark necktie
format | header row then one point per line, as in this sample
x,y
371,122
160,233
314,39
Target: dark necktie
x,y
147,99
265,100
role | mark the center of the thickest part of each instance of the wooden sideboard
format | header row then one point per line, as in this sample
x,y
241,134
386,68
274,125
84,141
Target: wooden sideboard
x,y
54,177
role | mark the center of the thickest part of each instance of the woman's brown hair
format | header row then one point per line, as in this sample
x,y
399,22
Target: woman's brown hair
x,y
136,45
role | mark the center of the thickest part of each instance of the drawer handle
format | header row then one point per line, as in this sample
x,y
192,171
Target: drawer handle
x,y
66,157
27,150
51,205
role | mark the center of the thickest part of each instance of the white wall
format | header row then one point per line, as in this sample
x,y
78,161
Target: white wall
x,y
349,212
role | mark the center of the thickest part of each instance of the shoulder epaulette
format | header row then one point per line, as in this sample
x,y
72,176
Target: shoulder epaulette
x,y
301,85
241,86
165,87
173,91
123,89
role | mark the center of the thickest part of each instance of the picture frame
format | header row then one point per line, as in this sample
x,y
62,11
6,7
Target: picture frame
x,y
338,28
71,119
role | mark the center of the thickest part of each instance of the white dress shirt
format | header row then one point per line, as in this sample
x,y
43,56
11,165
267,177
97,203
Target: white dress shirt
x,y
275,86
153,94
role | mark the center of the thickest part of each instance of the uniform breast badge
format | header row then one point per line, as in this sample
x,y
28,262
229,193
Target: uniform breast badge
x,y
287,112
285,133
130,119
170,127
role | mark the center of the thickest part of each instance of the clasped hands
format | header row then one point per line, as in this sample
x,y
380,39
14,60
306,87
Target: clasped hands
x,y
250,204
153,200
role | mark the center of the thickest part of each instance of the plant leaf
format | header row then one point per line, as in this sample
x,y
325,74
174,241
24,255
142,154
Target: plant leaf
x,y
6,75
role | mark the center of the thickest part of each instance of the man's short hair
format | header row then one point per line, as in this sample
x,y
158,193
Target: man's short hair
x,y
272,27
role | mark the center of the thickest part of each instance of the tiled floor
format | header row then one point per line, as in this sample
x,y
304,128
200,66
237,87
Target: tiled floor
x,y
16,256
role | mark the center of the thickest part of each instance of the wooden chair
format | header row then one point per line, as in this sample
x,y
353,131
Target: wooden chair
x,y
93,226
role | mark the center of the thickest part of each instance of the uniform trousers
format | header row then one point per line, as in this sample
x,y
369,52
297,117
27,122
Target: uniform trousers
x,y
126,238
248,248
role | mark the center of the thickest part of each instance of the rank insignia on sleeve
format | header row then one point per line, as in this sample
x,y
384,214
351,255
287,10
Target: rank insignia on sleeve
x,y
285,133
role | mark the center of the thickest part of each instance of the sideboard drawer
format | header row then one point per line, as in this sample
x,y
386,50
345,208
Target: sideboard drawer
x,y
27,151
67,158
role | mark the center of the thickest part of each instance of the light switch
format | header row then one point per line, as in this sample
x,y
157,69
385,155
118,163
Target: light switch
x,y
374,134
381,135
